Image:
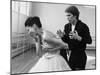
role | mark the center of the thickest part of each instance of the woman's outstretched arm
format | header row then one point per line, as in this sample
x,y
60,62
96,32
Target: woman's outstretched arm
x,y
38,46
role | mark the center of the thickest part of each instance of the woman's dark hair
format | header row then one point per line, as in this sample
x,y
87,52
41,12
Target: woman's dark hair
x,y
30,21
73,10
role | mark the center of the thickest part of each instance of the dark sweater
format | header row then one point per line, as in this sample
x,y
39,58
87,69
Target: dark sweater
x,y
83,31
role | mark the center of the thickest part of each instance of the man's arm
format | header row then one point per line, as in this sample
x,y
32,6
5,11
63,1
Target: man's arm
x,y
86,37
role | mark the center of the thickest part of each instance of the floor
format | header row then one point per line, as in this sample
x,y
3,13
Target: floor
x,y
24,62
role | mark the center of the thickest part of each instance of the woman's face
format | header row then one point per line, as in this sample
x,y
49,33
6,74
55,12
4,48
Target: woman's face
x,y
32,31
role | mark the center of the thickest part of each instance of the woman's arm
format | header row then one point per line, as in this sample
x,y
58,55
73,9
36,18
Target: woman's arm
x,y
55,42
55,49
38,46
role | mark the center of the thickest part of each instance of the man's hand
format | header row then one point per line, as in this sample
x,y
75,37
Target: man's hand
x,y
74,35
60,33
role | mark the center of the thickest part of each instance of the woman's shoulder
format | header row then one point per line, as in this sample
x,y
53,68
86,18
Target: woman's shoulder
x,y
48,34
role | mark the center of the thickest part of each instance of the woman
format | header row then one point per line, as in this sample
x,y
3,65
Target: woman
x,y
47,47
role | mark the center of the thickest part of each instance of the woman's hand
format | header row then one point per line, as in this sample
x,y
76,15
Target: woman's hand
x,y
33,35
60,33
64,46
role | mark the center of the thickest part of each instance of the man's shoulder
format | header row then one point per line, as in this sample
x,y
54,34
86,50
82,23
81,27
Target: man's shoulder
x,y
67,25
82,24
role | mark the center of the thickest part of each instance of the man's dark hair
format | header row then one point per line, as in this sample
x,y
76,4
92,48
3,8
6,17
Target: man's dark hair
x,y
30,21
73,10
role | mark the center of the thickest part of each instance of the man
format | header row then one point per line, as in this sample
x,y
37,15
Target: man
x,y
76,34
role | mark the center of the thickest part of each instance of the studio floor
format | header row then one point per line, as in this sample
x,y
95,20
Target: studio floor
x,y
24,62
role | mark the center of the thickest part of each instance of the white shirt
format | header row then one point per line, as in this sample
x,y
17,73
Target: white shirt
x,y
73,28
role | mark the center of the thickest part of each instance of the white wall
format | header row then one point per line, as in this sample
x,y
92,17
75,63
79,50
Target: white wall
x,y
18,22
20,12
53,16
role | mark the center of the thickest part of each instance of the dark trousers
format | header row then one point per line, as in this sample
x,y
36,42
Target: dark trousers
x,y
77,60
64,54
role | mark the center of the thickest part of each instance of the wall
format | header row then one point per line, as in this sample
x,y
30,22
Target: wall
x,y
20,42
53,16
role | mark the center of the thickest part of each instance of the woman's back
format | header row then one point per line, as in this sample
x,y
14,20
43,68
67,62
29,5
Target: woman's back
x,y
50,42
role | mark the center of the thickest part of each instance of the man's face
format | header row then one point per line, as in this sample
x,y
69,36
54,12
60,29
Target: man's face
x,y
70,17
